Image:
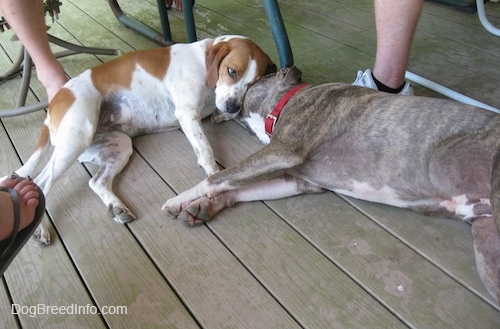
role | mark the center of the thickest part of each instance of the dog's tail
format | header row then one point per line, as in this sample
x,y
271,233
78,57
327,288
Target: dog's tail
x,y
41,149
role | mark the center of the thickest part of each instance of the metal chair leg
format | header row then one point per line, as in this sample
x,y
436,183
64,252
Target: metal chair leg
x,y
20,108
164,39
482,18
24,64
15,68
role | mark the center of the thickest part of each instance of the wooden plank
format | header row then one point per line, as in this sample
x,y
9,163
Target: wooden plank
x,y
39,278
445,242
400,278
307,284
471,19
470,39
145,12
216,288
8,319
105,27
418,291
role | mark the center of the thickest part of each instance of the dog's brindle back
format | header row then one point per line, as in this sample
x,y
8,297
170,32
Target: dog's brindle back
x,y
418,153
371,148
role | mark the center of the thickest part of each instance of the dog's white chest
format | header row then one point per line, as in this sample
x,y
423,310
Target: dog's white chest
x,y
255,123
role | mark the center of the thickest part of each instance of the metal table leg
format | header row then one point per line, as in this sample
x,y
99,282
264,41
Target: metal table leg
x,y
188,17
279,33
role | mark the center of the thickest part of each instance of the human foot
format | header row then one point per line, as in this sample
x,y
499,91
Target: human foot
x,y
177,3
28,195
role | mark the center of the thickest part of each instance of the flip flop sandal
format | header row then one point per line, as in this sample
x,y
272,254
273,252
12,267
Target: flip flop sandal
x,y
10,247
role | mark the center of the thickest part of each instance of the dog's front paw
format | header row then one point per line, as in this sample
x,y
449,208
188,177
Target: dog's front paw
x,y
172,208
41,237
202,210
120,214
196,213
218,116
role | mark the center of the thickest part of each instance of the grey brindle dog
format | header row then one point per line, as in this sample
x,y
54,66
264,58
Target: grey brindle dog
x,y
430,155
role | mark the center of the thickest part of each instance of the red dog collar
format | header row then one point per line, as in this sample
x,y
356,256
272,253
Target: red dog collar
x,y
273,116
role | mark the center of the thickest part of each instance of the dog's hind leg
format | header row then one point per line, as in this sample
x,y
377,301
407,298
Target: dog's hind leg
x,y
495,190
487,253
111,151
63,157
205,208
41,150
486,237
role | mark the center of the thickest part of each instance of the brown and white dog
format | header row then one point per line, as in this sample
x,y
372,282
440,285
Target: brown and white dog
x,y
93,117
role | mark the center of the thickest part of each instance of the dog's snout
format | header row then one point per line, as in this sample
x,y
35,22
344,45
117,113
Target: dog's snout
x,y
232,107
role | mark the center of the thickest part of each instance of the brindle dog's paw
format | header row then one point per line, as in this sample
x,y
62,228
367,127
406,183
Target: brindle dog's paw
x,y
201,210
120,214
194,215
171,210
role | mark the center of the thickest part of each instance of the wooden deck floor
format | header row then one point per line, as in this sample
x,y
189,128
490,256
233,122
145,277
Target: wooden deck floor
x,y
315,261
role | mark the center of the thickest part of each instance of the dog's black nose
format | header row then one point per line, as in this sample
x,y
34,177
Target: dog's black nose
x,y
232,108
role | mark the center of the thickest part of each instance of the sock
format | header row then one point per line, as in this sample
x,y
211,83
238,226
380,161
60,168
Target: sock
x,y
382,87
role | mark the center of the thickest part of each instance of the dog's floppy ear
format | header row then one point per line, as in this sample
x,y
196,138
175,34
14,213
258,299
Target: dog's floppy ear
x,y
271,67
290,75
213,57
293,75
